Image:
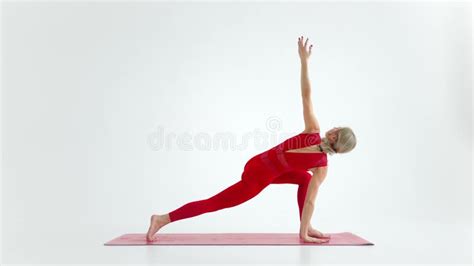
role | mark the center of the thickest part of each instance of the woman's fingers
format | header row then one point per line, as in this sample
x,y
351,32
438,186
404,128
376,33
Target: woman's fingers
x,y
318,240
303,50
310,239
305,46
319,234
300,42
316,233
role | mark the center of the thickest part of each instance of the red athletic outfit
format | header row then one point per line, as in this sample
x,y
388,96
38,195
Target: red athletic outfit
x,y
274,166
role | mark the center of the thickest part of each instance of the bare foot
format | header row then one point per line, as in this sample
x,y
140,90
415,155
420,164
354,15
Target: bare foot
x,y
156,222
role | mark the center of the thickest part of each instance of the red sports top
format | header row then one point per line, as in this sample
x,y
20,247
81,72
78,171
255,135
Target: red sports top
x,y
280,161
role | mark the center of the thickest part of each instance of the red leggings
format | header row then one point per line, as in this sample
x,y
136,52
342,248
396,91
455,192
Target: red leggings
x,y
242,191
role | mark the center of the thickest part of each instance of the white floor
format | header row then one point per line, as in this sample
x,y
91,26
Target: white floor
x,y
396,243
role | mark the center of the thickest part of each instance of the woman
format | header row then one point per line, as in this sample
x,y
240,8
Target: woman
x,y
288,162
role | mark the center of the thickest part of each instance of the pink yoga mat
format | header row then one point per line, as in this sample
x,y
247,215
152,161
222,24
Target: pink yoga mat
x,y
337,239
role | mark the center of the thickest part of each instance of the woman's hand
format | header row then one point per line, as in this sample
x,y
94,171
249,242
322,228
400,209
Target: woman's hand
x,y
303,49
315,233
307,238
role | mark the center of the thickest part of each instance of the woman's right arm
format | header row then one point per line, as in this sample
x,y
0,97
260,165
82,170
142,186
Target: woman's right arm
x,y
308,206
318,177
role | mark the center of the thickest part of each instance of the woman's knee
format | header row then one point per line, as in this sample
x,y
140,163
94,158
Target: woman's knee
x,y
303,176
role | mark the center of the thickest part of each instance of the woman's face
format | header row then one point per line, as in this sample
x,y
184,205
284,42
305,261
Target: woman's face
x,y
331,135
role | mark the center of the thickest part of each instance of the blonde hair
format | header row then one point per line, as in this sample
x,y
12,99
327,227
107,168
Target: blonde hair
x,y
346,141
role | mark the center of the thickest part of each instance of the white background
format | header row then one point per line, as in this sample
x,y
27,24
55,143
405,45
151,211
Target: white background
x,y
87,87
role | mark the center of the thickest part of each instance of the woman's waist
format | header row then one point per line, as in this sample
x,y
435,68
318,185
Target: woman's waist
x,y
272,160
276,160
